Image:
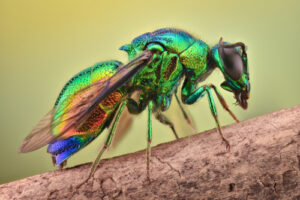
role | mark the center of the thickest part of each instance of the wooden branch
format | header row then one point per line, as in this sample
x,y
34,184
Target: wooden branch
x,y
263,163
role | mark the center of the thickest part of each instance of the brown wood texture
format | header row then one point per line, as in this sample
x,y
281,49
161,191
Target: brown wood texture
x,y
263,163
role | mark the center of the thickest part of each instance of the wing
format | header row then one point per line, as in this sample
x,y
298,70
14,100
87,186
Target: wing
x,y
75,114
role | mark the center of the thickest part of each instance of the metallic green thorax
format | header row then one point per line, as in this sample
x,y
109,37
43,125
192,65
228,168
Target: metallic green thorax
x,y
177,53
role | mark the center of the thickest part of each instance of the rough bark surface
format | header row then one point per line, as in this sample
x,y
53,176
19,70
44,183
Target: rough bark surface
x,y
263,163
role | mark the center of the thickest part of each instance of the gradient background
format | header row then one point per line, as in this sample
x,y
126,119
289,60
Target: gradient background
x,y
44,43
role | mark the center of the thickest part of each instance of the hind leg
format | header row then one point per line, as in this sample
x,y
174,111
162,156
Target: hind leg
x,y
107,142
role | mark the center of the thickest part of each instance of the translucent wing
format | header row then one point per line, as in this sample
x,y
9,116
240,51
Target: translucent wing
x,y
117,80
40,135
85,102
58,122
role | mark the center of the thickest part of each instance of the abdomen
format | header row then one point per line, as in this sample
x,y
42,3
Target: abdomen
x,y
77,138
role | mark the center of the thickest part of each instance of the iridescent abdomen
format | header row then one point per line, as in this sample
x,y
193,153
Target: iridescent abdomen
x,y
100,117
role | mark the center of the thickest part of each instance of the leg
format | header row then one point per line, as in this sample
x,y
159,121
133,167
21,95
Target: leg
x,y
135,108
223,102
186,117
191,95
163,119
214,113
149,137
107,142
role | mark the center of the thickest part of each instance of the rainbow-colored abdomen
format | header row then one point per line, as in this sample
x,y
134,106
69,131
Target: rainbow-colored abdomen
x,y
76,138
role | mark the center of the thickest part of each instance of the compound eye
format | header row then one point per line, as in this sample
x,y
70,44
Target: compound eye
x,y
232,62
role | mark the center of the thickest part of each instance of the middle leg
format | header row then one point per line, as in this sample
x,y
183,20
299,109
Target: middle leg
x,y
149,137
186,117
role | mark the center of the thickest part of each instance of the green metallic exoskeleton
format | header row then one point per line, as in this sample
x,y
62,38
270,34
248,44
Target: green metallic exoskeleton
x,y
158,62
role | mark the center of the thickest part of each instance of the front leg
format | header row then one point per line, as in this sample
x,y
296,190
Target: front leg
x,y
190,95
136,108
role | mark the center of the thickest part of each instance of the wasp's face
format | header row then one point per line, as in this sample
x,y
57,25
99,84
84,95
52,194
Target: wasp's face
x,y
234,65
241,98
240,89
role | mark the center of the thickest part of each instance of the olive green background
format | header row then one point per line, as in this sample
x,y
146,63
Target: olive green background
x,y
44,43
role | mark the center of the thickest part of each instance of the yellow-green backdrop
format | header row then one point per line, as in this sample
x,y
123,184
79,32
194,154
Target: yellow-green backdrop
x,y
44,43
